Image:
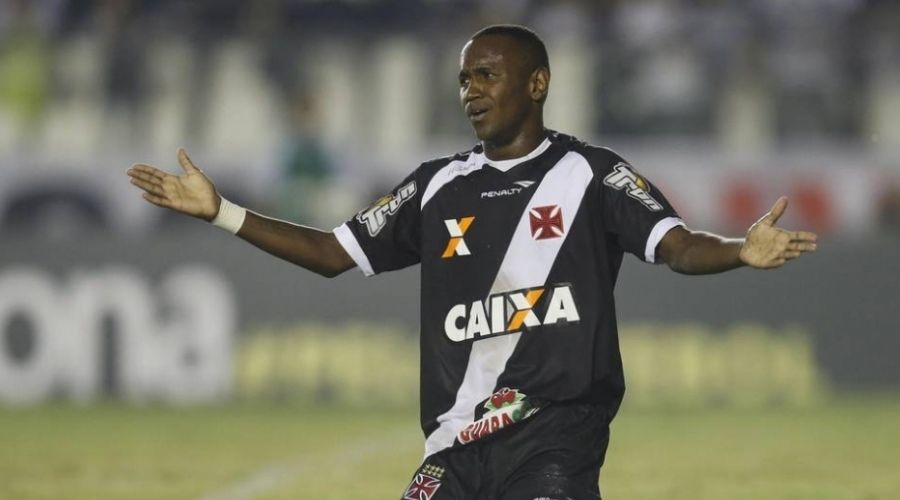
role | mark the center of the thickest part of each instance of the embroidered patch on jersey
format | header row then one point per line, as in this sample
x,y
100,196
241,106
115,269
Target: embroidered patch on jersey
x,y
375,217
546,222
502,398
504,408
435,471
623,176
422,487
524,184
457,245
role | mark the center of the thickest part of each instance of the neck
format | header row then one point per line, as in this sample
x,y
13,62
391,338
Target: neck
x,y
520,145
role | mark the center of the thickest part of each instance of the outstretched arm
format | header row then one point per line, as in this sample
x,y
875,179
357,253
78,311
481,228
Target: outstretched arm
x,y
194,194
766,246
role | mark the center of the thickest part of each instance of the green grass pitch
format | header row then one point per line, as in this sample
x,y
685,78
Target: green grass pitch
x,y
848,449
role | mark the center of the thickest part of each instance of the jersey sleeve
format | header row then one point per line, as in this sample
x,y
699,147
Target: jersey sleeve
x,y
636,211
385,236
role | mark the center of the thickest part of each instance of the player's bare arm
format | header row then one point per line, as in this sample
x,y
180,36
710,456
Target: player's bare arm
x,y
766,246
194,194
310,248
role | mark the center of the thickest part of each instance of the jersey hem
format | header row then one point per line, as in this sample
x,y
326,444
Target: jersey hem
x,y
656,235
345,237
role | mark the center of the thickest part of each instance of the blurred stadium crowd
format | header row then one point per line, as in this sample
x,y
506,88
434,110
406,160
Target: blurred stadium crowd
x,y
309,108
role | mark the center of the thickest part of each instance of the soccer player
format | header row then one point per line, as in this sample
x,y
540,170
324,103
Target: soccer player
x,y
520,241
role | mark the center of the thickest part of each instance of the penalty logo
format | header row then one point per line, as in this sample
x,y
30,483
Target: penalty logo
x,y
495,193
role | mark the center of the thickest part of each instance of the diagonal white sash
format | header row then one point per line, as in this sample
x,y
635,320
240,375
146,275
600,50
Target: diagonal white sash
x,y
527,264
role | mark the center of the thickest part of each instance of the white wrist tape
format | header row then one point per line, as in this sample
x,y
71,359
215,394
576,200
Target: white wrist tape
x,y
230,216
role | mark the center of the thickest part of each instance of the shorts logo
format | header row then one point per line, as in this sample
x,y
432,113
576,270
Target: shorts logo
x,y
546,222
425,484
457,245
375,217
510,312
624,177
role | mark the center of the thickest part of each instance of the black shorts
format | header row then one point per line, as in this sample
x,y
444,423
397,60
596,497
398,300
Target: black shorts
x,y
554,455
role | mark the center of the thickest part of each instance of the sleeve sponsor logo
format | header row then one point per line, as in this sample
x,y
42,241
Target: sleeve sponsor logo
x,y
509,313
457,245
635,186
375,217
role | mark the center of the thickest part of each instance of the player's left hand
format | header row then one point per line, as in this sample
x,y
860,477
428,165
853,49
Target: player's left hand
x,y
768,246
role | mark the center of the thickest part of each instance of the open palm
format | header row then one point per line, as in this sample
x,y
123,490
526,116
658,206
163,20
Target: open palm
x,y
768,246
192,193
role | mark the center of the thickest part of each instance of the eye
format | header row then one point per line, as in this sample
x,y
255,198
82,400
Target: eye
x,y
486,73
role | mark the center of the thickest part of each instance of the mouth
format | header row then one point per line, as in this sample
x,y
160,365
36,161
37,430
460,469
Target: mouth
x,y
476,113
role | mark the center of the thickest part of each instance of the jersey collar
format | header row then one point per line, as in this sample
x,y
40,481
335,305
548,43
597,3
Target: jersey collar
x,y
505,165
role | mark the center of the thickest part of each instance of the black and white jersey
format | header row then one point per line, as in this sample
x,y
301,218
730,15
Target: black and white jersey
x,y
519,260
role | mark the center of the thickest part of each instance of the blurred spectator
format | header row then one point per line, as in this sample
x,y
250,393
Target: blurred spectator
x,y
125,80
889,210
24,75
664,68
306,163
811,66
745,81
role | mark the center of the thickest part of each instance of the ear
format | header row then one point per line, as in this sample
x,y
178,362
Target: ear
x,y
539,84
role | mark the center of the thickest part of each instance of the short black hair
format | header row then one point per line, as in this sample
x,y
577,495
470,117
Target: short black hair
x,y
533,45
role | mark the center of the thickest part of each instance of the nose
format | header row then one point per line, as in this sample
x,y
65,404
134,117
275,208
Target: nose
x,y
471,91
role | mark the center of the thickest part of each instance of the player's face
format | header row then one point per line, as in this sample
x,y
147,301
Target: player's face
x,y
494,89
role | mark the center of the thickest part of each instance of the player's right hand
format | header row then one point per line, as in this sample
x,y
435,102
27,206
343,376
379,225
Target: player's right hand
x,y
192,193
